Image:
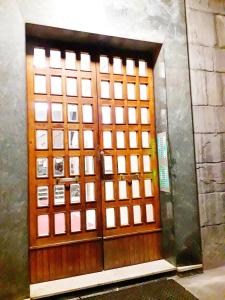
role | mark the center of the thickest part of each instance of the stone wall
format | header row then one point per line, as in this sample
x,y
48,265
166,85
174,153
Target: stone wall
x,y
206,39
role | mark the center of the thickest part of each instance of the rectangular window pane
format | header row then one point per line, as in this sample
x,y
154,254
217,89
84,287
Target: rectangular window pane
x,y
39,60
75,221
43,225
131,91
87,113
42,167
135,189
55,59
133,139
134,164
122,189
88,139
75,193
40,84
110,217
90,219
124,218
73,139
148,187
109,190
105,89
58,166
119,112
143,92
107,139
106,114
149,213
146,163
132,119
72,113
145,139
144,115
137,214
74,166
142,68
120,140
41,111
90,191
56,85
104,64
57,112
118,90
57,139
42,196
71,86
130,67
86,87
117,65
42,139
85,62
121,164
59,194
108,165
70,60
89,165
59,221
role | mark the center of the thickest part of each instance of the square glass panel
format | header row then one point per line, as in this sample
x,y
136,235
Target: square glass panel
x,y
148,187
57,112
58,166
130,67
137,214
122,189
108,165
131,91
75,221
59,222
143,92
55,59
42,167
43,225
134,164
41,139
142,68
87,113
121,164
41,111
42,196
88,139
110,217
145,139
56,85
119,112
39,84
86,87
118,90
105,89
85,62
72,113
132,118
124,218
59,194
90,191
90,219
57,139
109,190
117,65
73,139
149,213
70,60
107,139
89,165
144,115
104,64
106,115
39,59
71,86
133,139
75,193
120,139
135,188
146,163
74,165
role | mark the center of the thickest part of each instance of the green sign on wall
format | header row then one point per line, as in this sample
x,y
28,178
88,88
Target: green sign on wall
x,y
163,162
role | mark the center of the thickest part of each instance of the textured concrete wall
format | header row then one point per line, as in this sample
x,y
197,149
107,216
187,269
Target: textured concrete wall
x,y
206,35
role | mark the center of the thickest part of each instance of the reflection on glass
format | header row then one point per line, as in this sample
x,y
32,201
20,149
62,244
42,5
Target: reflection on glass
x,y
135,189
86,87
58,166
108,166
107,139
85,62
57,112
110,217
109,190
42,196
144,115
120,140
57,139
41,139
117,65
75,193
40,84
90,191
75,221
118,90
59,194
130,67
56,85
39,60
149,213
121,164
70,60
148,187
137,214
41,111
43,225
145,139
71,86
59,221
133,139
105,89
124,219
89,165
134,164
104,64
74,165
143,92
55,59
119,115
106,114
90,219
142,68
122,189
87,113
146,163
131,91
72,113
132,115
88,139
73,139
42,167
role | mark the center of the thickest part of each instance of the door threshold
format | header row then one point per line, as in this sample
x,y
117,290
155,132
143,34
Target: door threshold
x,y
71,284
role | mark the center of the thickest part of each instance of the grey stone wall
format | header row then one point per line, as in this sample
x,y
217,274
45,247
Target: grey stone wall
x,y
206,36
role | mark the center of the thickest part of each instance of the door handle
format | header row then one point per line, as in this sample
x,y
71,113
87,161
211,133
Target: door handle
x,y
66,179
102,162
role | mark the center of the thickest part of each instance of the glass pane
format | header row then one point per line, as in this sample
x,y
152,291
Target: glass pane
x,y
120,141
108,164
86,87
131,91
144,115
88,139
90,219
90,191
85,62
41,111
130,67
135,189
134,164
42,196
71,86
42,139
75,193
122,189
133,139
121,164
75,221
89,165
149,213
87,113
42,167
132,115
56,85
40,84
57,139
60,226
117,65
59,194
74,166
109,190
58,166
119,115
73,139
146,163
57,112
104,64
148,187
145,139
70,60
142,68
118,90
39,60
106,114
43,225
72,113
110,217
143,92
55,59
105,89
107,139
124,219
137,214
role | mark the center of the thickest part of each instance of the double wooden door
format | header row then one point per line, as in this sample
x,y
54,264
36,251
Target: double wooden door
x,y
93,182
